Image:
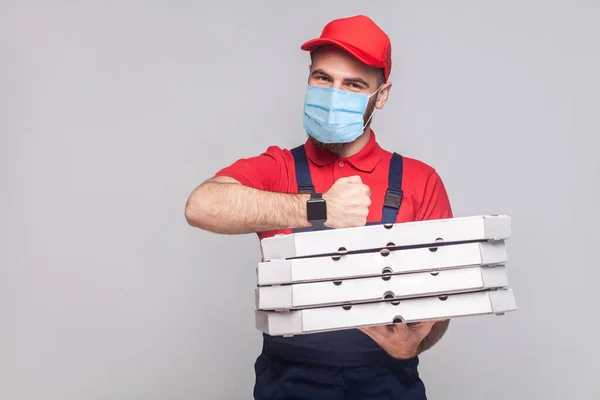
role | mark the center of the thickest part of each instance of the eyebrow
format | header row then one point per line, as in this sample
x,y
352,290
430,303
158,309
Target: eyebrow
x,y
355,79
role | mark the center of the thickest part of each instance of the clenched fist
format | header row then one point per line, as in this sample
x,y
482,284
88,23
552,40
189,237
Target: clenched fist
x,y
348,201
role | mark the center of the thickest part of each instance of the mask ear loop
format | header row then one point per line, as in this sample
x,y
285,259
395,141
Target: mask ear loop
x,y
370,116
367,123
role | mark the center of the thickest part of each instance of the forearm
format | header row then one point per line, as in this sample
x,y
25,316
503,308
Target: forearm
x,y
229,207
437,331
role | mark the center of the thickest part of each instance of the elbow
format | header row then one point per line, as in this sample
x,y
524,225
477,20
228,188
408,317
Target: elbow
x,y
192,214
196,214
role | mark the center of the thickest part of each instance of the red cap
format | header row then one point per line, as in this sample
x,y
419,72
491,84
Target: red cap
x,y
359,36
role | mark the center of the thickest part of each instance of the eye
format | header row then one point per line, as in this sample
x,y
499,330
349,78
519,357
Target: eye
x,y
355,87
322,78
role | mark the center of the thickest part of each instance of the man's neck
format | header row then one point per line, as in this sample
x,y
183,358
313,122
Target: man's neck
x,y
357,145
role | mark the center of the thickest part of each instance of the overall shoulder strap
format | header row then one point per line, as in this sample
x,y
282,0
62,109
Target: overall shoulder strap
x,y
394,193
303,178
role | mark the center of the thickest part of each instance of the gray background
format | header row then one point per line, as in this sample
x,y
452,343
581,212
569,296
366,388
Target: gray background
x,y
111,113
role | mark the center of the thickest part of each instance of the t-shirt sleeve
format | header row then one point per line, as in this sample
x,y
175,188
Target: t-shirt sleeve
x,y
267,171
435,203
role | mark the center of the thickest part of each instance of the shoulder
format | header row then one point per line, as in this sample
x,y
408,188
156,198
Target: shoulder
x,y
414,170
275,152
417,169
267,170
279,153
424,186
420,178
284,155
272,155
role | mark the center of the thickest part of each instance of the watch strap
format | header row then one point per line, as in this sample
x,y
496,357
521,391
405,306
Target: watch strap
x,y
318,225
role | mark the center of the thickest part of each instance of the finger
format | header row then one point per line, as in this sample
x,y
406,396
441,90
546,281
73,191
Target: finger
x,y
353,179
374,333
367,190
367,331
424,327
374,330
381,331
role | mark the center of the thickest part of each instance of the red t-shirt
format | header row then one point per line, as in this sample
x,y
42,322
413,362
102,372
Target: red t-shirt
x,y
425,196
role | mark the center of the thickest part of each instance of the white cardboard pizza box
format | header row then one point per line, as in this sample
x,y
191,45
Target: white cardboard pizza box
x,y
324,319
375,237
361,290
358,265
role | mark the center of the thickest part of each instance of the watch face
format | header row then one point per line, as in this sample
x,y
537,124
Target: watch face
x,y
317,210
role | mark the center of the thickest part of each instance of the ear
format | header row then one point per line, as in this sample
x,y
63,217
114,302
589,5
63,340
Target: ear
x,y
383,95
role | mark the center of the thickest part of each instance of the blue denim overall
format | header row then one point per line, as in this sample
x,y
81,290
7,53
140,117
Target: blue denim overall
x,y
344,364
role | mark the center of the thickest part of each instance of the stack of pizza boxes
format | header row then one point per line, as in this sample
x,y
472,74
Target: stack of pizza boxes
x,y
336,279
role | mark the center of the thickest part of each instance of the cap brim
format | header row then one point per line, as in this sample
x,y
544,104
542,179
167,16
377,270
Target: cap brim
x,y
365,58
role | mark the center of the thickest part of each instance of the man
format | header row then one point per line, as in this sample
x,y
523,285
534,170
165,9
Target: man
x,y
341,167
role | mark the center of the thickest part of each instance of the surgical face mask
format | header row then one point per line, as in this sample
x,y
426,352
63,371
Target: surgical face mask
x,y
335,116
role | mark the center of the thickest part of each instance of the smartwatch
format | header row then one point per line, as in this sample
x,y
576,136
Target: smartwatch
x,y
316,211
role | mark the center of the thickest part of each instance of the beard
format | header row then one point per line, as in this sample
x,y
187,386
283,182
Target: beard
x,y
336,148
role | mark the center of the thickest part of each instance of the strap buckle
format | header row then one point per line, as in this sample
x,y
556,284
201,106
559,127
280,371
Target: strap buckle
x,y
306,189
393,198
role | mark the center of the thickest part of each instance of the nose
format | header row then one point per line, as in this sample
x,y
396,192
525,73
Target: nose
x,y
337,84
